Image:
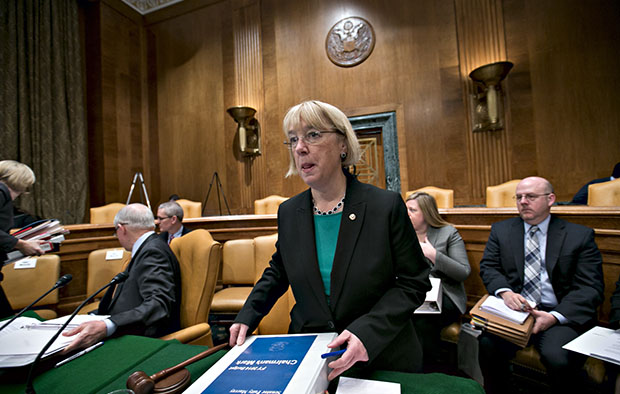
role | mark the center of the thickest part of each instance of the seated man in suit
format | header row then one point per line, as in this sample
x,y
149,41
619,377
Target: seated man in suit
x,y
552,263
169,219
582,195
148,302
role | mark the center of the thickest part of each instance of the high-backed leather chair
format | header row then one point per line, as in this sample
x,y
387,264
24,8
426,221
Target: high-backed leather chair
x,y
443,197
237,276
606,194
278,319
268,204
199,259
105,214
501,195
191,209
23,286
101,267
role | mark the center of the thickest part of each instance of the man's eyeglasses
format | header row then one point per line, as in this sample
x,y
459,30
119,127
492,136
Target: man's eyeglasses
x,y
117,227
162,218
528,197
312,137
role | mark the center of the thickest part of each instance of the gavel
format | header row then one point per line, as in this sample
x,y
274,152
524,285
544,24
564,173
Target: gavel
x,y
170,380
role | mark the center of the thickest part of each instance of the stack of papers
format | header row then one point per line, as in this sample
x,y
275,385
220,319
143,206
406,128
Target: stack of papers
x,y
502,321
22,340
285,364
496,306
49,230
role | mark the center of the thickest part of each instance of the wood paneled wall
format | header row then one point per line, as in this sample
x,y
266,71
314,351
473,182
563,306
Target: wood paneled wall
x,y
159,87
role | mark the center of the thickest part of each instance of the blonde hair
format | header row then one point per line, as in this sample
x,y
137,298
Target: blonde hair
x,y
16,175
322,116
428,206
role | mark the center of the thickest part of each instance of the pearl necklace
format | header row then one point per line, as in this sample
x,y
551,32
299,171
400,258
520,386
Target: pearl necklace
x,y
331,211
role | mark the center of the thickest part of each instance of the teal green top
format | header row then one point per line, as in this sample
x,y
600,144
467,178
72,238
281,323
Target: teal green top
x,y
326,236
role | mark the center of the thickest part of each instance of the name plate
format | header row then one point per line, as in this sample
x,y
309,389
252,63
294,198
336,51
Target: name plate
x,y
115,254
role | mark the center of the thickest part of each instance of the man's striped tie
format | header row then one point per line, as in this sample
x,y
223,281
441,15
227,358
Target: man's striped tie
x,y
533,263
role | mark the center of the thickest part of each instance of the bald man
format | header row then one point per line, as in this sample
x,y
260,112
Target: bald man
x,y
148,302
564,280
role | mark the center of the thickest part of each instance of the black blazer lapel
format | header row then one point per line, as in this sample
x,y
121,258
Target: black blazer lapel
x,y
555,239
350,227
119,287
517,234
307,260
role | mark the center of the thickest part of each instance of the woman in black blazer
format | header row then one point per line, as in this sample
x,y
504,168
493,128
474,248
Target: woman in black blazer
x,y
15,179
347,249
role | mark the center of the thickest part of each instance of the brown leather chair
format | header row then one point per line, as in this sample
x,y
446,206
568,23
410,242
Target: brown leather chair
x,y
23,286
105,214
278,319
191,209
100,271
500,196
199,258
237,276
268,204
605,194
443,197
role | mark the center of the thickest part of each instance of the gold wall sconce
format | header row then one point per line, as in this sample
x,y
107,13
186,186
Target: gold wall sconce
x,y
486,102
248,129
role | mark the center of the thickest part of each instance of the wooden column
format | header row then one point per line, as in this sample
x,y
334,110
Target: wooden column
x,y
481,40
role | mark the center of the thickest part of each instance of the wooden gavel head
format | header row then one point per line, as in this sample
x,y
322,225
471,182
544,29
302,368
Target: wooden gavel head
x,y
140,383
170,380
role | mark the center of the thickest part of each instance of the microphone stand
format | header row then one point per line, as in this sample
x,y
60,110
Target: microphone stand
x,y
29,381
62,282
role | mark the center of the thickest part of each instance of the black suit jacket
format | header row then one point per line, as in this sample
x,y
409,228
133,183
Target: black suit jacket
x,y
379,276
572,260
148,302
7,241
164,234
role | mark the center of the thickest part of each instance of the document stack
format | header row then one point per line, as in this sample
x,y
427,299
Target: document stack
x,y
23,339
282,364
49,230
492,314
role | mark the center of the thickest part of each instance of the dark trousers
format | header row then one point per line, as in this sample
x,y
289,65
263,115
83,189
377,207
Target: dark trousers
x,y
428,327
5,306
563,366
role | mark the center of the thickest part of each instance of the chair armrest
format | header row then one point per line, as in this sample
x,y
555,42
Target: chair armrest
x,y
189,334
89,308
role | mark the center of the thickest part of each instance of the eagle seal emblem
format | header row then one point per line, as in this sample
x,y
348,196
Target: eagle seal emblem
x,y
350,41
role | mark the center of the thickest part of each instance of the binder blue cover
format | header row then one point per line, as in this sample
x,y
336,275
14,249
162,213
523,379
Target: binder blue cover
x,y
266,366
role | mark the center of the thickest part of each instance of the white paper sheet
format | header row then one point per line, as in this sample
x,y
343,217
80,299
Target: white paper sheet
x,y
599,342
496,306
363,386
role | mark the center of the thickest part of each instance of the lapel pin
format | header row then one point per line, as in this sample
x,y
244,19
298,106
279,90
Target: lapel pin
x,y
352,216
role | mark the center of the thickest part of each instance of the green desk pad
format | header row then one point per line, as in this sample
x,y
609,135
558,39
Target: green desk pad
x,y
431,383
107,368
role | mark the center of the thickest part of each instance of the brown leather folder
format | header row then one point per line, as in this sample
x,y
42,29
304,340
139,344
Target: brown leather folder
x,y
518,334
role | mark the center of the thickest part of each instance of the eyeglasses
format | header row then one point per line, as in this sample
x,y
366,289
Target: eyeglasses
x,y
117,227
528,197
312,137
164,218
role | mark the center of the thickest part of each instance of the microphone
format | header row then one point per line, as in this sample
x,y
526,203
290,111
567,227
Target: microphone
x,y
120,277
62,282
